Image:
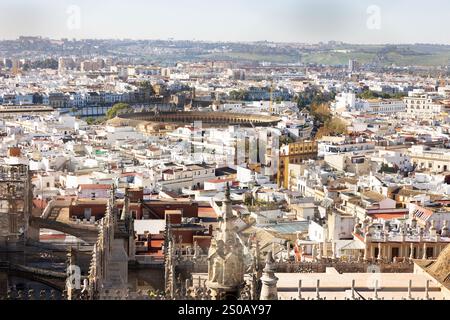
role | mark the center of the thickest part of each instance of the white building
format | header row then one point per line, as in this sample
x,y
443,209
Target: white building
x,y
344,102
424,105
176,177
383,106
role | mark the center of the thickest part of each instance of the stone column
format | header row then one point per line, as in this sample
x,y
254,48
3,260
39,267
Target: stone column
x,y
318,290
410,290
375,290
367,241
334,256
380,256
353,290
319,255
300,290
424,256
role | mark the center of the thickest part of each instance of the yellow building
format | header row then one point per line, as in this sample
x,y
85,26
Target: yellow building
x,y
294,153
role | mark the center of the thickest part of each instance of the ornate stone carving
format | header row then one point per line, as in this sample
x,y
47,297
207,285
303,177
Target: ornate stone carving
x,y
226,255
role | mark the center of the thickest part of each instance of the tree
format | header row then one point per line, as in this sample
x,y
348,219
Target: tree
x,y
238,95
146,86
90,121
117,109
41,64
332,127
321,112
284,140
368,95
313,95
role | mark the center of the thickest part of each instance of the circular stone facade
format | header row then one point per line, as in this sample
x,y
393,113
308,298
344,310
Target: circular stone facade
x,y
208,118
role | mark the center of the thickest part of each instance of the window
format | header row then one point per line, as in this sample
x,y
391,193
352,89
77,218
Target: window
x,y
430,253
87,213
414,252
395,252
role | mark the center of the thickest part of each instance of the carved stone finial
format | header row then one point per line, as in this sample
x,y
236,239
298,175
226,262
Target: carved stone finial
x,y
269,280
228,192
444,231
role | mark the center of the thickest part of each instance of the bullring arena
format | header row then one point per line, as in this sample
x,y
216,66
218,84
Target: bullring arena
x,y
177,119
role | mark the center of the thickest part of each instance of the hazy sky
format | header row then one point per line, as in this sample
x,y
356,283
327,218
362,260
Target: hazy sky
x,y
355,21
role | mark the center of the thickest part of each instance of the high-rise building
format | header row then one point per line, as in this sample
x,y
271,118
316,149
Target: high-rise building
x,y
353,66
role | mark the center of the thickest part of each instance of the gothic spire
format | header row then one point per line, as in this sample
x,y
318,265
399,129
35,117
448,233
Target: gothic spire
x,y
269,280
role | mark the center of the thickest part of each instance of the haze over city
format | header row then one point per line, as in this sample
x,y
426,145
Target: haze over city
x,y
308,21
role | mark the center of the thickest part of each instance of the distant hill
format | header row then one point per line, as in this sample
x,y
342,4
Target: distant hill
x,y
399,55
171,51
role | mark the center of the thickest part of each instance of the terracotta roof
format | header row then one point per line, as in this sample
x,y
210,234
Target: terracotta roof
x,y
156,243
128,174
422,213
38,203
52,237
94,186
90,202
388,216
220,180
206,212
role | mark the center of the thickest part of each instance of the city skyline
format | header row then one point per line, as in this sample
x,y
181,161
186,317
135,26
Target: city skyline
x,y
365,22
